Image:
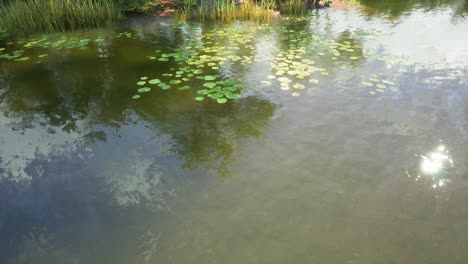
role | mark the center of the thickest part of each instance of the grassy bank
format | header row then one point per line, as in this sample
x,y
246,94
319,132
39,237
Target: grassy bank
x,y
227,10
293,7
20,17
25,17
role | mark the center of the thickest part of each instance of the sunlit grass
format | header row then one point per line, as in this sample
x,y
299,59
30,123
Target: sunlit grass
x,y
24,17
294,7
227,10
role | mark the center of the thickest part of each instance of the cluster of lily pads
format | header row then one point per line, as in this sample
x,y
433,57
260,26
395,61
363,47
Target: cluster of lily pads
x,y
378,85
202,58
126,34
292,67
207,61
57,41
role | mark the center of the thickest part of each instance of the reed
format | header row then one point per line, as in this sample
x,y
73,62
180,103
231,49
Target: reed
x,y
294,7
33,16
228,11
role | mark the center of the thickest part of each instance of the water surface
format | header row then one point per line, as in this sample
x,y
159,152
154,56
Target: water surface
x,y
357,157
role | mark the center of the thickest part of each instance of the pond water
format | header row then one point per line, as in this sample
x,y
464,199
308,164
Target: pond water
x,y
335,138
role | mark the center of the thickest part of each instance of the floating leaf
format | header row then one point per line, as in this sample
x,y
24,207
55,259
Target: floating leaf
x,y
388,82
296,94
221,100
210,85
154,81
367,83
381,86
380,90
43,55
298,86
199,98
203,91
266,83
233,96
136,96
313,81
141,82
144,90
184,88
144,78
209,78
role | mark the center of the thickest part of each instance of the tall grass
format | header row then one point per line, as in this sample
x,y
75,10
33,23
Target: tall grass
x,y
294,7
227,11
24,17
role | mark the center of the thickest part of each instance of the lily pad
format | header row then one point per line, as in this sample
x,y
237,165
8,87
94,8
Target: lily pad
x,y
209,78
144,90
209,85
186,87
154,81
199,98
141,83
136,96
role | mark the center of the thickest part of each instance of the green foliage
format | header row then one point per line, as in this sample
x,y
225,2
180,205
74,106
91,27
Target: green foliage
x,y
130,5
4,34
294,7
227,11
56,15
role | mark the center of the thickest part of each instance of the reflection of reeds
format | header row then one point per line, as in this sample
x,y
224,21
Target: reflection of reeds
x,y
294,7
227,10
56,15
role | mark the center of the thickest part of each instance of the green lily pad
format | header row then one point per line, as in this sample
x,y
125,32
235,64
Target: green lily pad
x,y
141,83
144,90
209,78
136,96
209,85
143,78
199,98
184,88
154,81
222,100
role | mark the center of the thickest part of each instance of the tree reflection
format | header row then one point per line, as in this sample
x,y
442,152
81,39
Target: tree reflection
x,y
79,95
398,8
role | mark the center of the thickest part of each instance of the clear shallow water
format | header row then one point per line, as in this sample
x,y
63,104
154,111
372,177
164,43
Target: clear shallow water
x,y
335,175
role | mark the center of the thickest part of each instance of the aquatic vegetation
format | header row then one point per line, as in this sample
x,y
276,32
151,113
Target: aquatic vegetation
x,y
25,17
4,34
294,7
228,11
380,86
